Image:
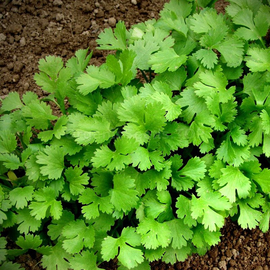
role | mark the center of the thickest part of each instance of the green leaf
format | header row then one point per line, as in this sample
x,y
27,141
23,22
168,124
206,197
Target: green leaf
x,y
51,161
3,251
192,104
88,130
118,159
207,57
108,40
214,83
181,233
57,259
158,205
77,236
30,241
232,153
183,179
203,237
172,256
11,102
8,142
10,161
38,114
94,78
232,49
128,255
262,179
124,196
154,234
206,20
141,158
57,225
76,179
183,211
10,265
166,60
79,63
207,207
182,8
159,179
122,67
233,181
84,260
143,49
200,129
26,222
254,27
32,168
258,59
58,131
173,136
173,22
94,204
250,216
51,65
45,204
264,223
20,196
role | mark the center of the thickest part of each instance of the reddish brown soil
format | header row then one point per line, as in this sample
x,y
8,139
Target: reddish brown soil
x,y
32,29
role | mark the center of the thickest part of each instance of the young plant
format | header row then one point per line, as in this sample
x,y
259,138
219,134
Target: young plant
x,y
142,171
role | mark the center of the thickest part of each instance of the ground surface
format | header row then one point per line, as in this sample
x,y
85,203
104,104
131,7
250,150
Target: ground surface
x,y
32,29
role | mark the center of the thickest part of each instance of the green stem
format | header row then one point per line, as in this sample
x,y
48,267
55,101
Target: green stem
x,y
262,43
144,76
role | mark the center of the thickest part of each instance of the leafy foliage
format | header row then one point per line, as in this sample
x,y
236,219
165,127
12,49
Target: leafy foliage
x,y
142,171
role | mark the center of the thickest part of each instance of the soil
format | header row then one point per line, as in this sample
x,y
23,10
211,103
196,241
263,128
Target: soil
x,y
33,29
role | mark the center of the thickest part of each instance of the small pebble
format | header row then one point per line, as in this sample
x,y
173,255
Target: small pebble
x,y
18,66
134,2
59,16
222,265
112,21
57,3
2,37
22,41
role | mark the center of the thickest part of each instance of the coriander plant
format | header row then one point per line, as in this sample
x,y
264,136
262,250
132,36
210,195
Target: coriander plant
x,y
142,169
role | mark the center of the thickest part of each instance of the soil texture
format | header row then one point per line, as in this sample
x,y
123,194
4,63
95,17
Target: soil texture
x,y
33,29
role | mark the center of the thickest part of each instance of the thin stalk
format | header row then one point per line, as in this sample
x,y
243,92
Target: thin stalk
x,y
144,76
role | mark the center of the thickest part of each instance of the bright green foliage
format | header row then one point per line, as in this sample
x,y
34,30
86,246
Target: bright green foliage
x,y
26,222
29,241
258,59
76,179
206,207
3,251
113,41
84,260
94,204
142,169
154,234
21,196
51,161
77,235
128,255
168,59
233,181
45,201
57,259
123,195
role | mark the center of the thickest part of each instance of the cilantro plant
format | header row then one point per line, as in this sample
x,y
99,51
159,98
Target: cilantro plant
x,y
141,169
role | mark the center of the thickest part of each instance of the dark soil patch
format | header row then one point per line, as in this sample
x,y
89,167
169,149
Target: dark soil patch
x,y
32,29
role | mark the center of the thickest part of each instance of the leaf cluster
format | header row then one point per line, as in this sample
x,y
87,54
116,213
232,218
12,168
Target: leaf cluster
x,y
142,169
